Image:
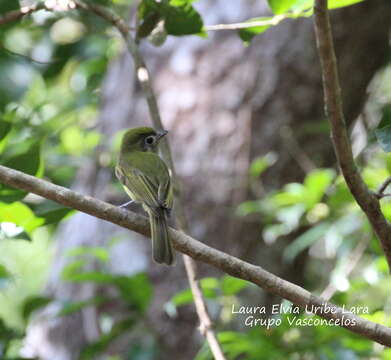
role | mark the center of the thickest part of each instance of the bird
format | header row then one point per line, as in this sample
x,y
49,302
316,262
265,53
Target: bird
x,y
146,179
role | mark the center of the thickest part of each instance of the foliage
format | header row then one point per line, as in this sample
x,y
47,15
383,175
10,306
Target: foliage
x,y
50,73
383,131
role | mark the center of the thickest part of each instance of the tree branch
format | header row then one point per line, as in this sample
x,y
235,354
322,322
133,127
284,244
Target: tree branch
x,y
246,25
199,251
271,21
367,200
18,14
206,325
380,193
351,262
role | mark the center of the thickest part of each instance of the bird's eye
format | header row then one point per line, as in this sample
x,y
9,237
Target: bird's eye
x,y
150,140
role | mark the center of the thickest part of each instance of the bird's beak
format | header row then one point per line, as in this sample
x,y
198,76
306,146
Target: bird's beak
x,y
161,134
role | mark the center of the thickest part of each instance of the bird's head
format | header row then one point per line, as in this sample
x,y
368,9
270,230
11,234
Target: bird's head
x,y
141,139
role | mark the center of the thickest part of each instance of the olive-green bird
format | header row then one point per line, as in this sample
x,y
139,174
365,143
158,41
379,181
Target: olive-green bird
x,y
146,180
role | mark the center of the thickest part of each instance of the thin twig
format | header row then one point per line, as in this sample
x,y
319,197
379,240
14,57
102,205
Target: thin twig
x,y
348,267
206,324
144,78
245,25
294,149
275,20
199,251
380,193
26,57
367,200
18,14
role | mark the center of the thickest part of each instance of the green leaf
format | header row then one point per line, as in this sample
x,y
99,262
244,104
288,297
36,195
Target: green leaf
x,y
272,232
248,207
89,276
9,195
386,354
29,162
247,34
36,95
72,268
386,116
4,273
149,15
281,6
7,334
72,307
33,303
316,184
5,276
293,193
304,241
147,7
286,9
260,164
55,216
100,2
383,136
51,212
180,2
21,215
383,131
181,19
148,24
72,140
98,252
8,5
309,193
290,216
182,298
135,290
231,285
303,5
209,287
340,196
335,4
5,127
93,350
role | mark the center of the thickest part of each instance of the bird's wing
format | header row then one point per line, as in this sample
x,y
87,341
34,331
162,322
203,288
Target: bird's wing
x,y
139,186
165,194
139,175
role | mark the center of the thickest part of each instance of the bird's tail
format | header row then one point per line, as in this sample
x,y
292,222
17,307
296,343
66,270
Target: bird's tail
x,y
162,250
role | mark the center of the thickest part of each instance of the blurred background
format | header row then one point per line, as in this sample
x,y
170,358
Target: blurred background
x,y
259,179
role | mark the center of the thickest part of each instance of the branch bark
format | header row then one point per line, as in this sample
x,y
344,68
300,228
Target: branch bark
x,y
18,14
206,324
380,193
367,200
199,251
225,262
